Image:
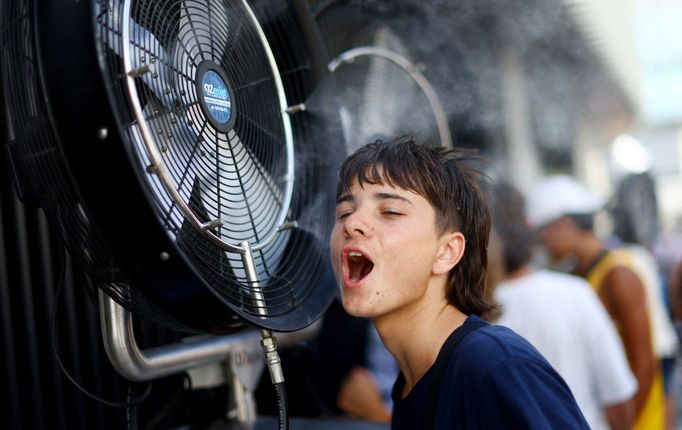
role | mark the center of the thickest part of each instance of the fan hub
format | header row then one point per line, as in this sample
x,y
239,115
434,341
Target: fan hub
x,y
215,95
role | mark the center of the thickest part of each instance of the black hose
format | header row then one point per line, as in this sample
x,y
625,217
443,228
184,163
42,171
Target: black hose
x,y
282,406
131,410
274,364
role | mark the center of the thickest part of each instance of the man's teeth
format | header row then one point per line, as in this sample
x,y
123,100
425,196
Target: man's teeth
x,y
355,254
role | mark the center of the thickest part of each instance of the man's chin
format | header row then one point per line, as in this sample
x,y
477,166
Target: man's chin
x,y
352,307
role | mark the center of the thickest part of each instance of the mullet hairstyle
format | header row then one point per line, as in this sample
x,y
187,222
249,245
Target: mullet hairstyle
x,y
445,180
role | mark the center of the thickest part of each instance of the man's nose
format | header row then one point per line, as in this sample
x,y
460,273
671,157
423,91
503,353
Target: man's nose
x,y
356,224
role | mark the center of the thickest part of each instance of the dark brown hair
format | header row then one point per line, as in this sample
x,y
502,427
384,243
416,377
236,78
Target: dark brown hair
x,y
451,185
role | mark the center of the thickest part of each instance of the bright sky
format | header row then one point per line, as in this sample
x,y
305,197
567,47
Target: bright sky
x,y
658,33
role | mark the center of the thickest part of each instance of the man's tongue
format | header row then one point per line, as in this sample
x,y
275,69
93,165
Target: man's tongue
x,y
359,267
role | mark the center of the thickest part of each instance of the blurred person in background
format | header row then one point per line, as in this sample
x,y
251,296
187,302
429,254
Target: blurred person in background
x,y
637,227
562,210
563,318
668,252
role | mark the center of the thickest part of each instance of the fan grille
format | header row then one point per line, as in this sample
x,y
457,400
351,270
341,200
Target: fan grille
x,y
233,171
236,177
227,154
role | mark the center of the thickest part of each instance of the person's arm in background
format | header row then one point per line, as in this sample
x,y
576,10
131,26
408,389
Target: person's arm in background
x,y
621,415
625,299
614,383
360,397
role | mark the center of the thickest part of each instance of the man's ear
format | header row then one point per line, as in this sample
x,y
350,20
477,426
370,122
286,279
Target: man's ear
x,y
449,253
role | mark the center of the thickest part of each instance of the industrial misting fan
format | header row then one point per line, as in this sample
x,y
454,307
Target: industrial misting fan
x,y
170,144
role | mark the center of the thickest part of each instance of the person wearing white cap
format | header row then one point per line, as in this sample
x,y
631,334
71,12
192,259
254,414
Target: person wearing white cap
x,y
561,315
562,210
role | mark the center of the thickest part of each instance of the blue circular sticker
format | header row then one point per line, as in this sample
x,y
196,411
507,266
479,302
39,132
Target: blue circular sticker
x,y
217,97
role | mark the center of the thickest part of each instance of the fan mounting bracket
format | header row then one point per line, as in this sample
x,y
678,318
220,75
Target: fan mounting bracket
x,y
136,364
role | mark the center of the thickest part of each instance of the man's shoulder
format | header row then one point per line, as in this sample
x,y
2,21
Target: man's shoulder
x,y
490,346
495,369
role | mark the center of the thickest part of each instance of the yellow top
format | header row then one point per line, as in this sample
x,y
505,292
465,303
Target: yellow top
x,y
652,415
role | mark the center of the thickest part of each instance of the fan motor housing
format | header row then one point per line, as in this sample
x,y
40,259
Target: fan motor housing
x,y
216,96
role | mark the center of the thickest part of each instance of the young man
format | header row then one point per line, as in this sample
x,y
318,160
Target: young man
x,y
409,251
562,210
563,318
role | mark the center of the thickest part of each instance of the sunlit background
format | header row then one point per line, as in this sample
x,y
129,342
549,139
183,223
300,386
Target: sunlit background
x,y
658,126
641,44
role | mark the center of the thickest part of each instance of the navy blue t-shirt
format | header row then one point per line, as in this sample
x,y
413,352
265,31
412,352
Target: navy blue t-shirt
x,y
494,379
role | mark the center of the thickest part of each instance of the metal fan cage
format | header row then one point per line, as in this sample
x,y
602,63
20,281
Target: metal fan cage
x,y
401,69
210,187
215,188
234,176
395,98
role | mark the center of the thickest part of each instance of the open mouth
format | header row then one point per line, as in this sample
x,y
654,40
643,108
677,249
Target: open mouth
x,y
359,266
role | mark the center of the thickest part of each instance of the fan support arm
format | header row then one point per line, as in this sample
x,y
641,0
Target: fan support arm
x,y
143,365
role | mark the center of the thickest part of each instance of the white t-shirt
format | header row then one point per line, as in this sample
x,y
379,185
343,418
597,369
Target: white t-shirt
x,y
563,318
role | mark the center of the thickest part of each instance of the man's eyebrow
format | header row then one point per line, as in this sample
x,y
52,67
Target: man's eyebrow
x,y
376,196
345,198
391,196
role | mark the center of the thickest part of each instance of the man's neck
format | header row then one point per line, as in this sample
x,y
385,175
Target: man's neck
x,y
415,336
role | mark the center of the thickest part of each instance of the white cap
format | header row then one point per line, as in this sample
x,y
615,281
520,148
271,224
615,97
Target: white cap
x,y
560,195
